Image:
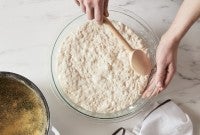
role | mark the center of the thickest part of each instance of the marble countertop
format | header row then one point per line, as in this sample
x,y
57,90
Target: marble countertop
x,y
29,28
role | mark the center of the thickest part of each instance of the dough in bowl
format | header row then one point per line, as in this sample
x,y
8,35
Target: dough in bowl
x,y
93,68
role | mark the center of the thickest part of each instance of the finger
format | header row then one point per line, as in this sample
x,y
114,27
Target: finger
x,y
160,75
150,92
83,8
99,12
149,89
149,85
106,8
170,73
90,12
155,92
77,2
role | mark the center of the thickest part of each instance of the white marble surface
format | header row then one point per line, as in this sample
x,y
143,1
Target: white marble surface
x,y
29,28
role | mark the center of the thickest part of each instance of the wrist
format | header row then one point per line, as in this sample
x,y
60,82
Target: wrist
x,y
174,34
171,40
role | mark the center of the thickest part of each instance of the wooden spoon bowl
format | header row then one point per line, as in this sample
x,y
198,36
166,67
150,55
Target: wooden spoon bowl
x,y
138,59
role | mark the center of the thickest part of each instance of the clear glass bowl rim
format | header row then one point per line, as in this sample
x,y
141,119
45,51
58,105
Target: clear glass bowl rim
x,y
62,97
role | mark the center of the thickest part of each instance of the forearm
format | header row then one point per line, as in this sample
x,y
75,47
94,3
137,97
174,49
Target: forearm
x,y
188,13
166,53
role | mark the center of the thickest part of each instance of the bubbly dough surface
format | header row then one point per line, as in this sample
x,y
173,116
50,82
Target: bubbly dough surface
x,y
94,71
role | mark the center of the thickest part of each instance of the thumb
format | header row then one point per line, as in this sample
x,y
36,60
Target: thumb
x,y
160,75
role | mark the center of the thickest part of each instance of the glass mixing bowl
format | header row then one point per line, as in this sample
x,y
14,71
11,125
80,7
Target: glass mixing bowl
x,y
140,28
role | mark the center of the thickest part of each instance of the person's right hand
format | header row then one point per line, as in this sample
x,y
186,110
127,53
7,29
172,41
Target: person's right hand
x,y
95,9
166,55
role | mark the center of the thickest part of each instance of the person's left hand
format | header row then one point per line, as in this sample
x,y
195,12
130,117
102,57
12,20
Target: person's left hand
x,y
166,55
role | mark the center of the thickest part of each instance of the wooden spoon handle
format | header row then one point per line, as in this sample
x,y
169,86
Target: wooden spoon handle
x,y
117,34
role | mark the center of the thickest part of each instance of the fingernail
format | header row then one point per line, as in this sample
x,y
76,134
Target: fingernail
x,y
159,84
148,94
143,96
156,94
100,23
161,88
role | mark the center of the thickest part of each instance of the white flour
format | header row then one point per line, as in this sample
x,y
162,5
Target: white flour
x,y
93,68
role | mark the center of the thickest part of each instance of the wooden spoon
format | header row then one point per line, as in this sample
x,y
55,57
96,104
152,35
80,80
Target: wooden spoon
x,y
138,59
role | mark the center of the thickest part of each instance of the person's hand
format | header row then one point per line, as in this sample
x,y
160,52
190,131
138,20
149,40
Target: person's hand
x,y
95,9
166,55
